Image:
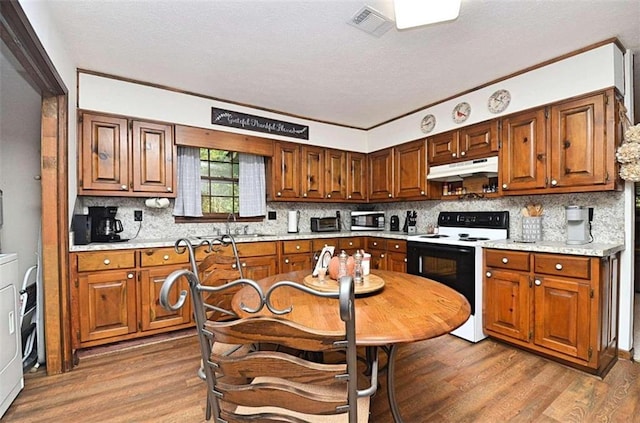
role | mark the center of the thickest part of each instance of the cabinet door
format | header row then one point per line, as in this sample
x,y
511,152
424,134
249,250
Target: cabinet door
x,y
336,174
378,259
350,245
312,172
286,169
152,158
507,303
357,176
381,174
152,314
410,170
105,154
562,316
397,262
443,148
479,140
107,303
523,159
259,267
578,136
293,262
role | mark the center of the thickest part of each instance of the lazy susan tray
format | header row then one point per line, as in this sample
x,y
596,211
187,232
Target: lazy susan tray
x,y
371,283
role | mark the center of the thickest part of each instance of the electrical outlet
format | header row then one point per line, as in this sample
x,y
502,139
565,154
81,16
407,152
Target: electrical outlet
x,y
137,215
272,215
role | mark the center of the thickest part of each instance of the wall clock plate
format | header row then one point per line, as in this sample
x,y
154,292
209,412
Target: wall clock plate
x,y
428,123
461,112
499,101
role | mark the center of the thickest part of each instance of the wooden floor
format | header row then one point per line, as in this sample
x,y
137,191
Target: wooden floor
x,y
441,380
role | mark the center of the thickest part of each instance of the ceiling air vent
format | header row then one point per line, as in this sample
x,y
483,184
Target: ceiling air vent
x,y
371,21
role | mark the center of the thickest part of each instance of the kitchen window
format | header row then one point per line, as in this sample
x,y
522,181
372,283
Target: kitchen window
x,y
219,182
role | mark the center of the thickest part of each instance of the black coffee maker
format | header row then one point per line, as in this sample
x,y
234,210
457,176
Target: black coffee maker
x,y
104,225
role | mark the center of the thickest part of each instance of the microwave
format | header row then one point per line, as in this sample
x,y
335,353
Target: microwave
x,y
367,221
325,224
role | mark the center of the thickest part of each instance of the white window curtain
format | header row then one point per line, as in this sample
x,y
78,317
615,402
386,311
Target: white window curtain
x,y
188,200
251,185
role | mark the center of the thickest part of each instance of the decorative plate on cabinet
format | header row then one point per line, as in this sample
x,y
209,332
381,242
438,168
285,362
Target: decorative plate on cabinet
x,y
428,123
461,112
499,101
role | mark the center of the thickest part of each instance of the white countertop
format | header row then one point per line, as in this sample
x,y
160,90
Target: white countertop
x,y
156,243
557,247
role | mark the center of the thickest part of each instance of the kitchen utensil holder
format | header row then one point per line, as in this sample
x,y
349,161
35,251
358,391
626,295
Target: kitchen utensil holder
x,y
532,228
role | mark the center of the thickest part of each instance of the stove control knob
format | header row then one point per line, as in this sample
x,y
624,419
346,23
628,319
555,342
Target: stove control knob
x,y
488,274
505,260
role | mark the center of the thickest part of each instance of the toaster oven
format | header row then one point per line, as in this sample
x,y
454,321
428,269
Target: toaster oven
x,y
325,224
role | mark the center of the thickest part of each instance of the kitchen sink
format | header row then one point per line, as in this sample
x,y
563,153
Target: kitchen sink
x,y
238,236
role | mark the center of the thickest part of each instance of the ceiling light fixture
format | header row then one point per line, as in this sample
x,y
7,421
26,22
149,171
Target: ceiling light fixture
x,y
412,13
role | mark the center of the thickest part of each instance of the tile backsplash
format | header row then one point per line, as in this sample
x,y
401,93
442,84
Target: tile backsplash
x,y
607,226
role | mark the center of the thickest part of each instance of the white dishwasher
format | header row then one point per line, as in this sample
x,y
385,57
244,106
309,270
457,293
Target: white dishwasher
x,y
10,338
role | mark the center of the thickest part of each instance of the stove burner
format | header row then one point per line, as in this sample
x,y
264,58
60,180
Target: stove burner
x,y
473,239
434,236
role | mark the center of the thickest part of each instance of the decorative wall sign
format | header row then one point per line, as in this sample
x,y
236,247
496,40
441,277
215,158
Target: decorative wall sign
x,y
257,123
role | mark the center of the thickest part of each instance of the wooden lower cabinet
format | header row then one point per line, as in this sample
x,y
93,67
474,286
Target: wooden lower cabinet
x,y
564,307
296,255
152,314
387,254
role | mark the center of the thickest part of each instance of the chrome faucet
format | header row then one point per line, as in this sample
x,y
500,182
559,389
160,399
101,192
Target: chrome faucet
x,y
228,223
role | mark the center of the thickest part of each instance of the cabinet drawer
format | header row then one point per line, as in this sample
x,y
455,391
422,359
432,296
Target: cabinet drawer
x,y
396,245
298,246
105,260
376,244
559,265
351,244
245,249
162,256
319,243
515,260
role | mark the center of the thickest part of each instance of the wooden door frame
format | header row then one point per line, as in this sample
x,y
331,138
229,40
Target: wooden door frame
x,y
19,36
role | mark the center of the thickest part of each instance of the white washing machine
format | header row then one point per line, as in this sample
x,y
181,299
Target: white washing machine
x,y
10,338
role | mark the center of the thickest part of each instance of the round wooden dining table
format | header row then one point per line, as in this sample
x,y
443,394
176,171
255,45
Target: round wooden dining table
x,y
407,308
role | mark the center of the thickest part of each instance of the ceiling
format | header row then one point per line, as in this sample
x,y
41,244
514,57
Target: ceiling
x,y
300,57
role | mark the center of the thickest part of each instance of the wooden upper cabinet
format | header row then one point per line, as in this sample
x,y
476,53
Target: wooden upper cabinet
x,y
312,172
523,159
356,176
479,140
116,161
335,181
286,168
104,150
410,170
381,174
578,147
152,157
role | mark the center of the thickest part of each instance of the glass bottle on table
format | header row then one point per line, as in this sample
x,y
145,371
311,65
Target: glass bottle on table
x,y
357,269
342,267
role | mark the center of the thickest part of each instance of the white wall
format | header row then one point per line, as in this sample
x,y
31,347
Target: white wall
x,y
20,107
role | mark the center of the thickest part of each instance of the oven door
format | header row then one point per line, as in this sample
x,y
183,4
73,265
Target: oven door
x,y
451,265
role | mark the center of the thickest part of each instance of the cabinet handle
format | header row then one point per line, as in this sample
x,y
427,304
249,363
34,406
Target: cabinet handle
x,y
405,259
279,194
462,153
381,255
390,195
421,192
540,157
504,186
488,274
350,243
328,195
169,189
505,260
297,247
130,276
375,244
107,262
558,266
554,182
123,187
286,261
454,155
538,282
165,257
244,264
304,195
397,246
349,197
233,266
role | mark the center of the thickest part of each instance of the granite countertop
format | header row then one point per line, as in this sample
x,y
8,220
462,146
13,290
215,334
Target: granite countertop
x,y
559,247
157,243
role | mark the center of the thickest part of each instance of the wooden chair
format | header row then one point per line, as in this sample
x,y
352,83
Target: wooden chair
x,y
276,385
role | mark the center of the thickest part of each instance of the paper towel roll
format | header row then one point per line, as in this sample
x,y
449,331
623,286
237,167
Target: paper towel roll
x,y
157,203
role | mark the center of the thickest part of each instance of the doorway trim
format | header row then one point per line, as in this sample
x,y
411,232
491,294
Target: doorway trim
x,y
21,39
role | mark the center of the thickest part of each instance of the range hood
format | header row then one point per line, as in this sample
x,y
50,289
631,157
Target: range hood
x,y
456,171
